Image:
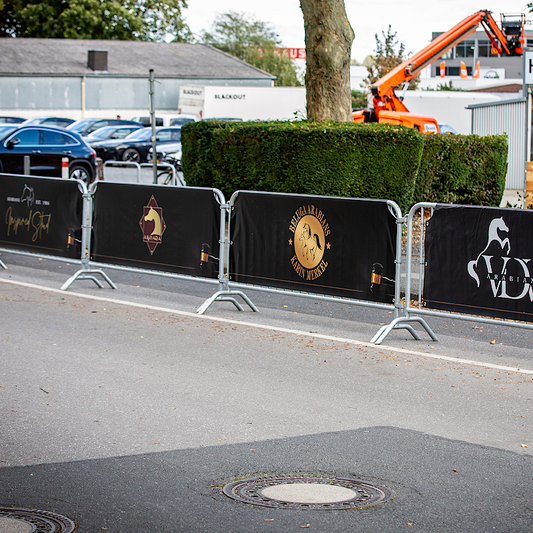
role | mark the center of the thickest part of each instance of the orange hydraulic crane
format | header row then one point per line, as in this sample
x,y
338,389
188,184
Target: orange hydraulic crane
x,y
389,108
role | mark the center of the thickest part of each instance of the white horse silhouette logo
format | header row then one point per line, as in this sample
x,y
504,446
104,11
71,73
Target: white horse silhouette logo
x,y
28,195
495,226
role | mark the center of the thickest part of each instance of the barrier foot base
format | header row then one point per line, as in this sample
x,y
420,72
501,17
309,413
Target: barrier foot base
x,y
88,274
2,265
227,296
403,322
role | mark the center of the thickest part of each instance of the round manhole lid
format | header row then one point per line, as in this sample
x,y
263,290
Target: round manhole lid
x,y
313,492
13,525
18,520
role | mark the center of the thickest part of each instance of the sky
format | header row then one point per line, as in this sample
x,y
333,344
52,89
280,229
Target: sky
x,y
412,20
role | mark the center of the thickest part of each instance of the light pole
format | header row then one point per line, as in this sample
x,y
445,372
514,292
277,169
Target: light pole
x,y
152,121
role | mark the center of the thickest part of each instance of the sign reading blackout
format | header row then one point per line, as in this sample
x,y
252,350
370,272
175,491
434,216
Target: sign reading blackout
x,y
170,229
335,246
41,215
479,261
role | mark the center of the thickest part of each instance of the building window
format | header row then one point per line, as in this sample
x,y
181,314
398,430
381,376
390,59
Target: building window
x,y
465,49
484,49
455,71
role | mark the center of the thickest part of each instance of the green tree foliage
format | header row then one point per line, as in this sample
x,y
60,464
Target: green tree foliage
x,y
387,58
146,20
359,99
252,41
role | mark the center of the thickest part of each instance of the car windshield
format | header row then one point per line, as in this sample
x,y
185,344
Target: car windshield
x,y
32,121
140,135
103,133
6,130
80,125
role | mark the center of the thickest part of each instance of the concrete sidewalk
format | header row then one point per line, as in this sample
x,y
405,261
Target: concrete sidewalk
x,y
125,412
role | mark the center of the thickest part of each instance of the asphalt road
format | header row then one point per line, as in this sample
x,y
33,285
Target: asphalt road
x,y
126,412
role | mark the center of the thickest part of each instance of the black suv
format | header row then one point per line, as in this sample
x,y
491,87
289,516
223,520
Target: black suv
x,y
46,147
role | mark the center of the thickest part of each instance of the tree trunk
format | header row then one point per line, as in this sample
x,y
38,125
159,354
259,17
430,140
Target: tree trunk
x,y
328,41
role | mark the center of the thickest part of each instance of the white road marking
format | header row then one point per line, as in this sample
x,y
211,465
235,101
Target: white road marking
x,y
274,328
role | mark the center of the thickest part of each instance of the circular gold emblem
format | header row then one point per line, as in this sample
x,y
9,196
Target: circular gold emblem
x,y
309,241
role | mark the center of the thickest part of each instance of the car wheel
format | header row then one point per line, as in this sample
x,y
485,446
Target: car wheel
x,y
130,154
78,172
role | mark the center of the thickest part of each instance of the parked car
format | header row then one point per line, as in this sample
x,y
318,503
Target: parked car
x,y
87,125
11,120
160,120
110,132
46,148
225,119
55,122
135,146
182,119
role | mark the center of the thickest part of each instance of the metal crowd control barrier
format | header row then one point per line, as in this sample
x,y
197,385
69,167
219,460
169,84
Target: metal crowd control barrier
x,y
159,231
176,177
292,263
43,217
474,264
130,164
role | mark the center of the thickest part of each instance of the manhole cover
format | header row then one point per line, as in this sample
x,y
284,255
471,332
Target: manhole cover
x,y
313,492
14,520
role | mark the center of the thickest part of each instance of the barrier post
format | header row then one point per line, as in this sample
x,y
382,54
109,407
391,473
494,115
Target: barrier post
x,y
224,293
402,318
100,168
64,168
86,272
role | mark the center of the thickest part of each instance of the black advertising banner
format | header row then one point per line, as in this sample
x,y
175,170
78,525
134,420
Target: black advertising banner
x,y
479,261
335,246
170,229
41,215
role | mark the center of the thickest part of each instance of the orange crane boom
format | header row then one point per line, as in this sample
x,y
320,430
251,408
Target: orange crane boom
x,y
389,108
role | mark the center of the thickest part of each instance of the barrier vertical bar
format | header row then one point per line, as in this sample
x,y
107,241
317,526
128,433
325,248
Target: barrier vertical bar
x,y
404,322
64,168
224,293
86,229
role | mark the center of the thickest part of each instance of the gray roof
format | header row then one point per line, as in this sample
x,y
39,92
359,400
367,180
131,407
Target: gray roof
x,y
56,57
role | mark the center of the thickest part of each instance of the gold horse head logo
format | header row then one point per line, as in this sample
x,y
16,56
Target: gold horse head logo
x,y
153,216
152,224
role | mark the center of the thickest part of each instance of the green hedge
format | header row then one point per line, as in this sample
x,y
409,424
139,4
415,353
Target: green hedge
x,y
353,160
342,159
462,169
